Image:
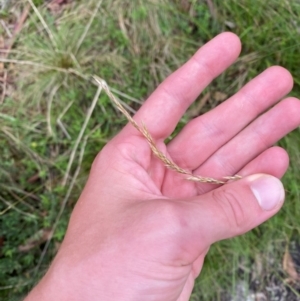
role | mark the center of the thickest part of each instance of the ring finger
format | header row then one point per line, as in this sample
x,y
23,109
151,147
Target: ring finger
x,y
206,134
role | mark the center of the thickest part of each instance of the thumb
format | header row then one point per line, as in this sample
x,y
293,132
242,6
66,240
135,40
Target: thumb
x,y
237,207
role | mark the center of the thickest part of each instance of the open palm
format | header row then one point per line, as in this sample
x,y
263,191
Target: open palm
x,y
140,231
234,138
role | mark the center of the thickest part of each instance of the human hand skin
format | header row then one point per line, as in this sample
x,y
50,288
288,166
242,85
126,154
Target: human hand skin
x,y
140,231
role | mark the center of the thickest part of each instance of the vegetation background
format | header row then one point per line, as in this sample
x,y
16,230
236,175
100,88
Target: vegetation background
x,y
52,125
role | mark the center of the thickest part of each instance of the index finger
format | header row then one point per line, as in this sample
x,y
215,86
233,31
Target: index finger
x,y
164,108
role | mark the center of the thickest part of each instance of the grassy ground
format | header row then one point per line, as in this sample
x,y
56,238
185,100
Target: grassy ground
x,y
46,150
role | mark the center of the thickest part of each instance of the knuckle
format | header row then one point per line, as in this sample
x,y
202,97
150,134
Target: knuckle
x,y
163,228
174,222
173,217
230,205
175,226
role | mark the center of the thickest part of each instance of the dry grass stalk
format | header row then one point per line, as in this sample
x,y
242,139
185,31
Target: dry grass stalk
x,y
79,138
167,161
42,20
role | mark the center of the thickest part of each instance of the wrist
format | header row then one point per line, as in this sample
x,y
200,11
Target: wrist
x,y
52,286
76,280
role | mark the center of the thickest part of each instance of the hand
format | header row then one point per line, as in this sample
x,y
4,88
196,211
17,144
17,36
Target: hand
x,y
140,231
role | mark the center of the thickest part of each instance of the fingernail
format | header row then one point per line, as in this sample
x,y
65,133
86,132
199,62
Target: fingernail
x,y
268,191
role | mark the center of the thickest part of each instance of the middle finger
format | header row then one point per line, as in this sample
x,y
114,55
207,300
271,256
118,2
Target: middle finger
x,y
204,135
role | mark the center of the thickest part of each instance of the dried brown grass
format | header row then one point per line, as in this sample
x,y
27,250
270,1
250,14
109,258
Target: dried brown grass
x,y
169,163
